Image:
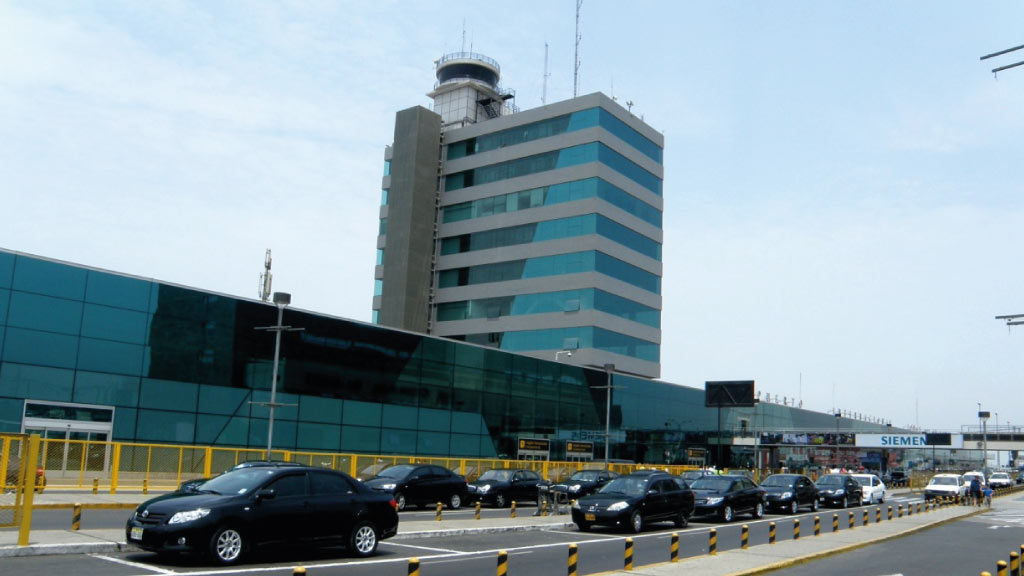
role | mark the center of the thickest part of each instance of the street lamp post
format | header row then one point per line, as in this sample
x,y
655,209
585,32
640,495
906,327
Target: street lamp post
x,y
609,369
838,416
281,300
983,416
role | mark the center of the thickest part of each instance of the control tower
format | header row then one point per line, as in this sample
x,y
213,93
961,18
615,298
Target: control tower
x,y
468,91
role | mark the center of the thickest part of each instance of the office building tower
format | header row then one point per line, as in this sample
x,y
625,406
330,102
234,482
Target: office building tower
x,y
537,231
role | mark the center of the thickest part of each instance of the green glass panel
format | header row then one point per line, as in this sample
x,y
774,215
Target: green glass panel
x,y
394,441
36,382
361,414
117,291
400,416
165,426
223,400
107,356
50,278
360,439
313,436
6,269
41,348
106,389
314,409
168,395
432,443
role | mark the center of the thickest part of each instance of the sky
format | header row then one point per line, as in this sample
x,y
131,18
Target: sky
x,y
844,207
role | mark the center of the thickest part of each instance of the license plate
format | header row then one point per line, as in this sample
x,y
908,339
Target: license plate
x,y
136,533
589,517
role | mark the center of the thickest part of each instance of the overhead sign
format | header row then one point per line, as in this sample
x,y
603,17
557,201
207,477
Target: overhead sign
x,y
575,449
728,393
534,447
908,440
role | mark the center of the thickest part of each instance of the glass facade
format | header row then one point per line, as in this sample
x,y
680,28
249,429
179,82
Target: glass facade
x,y
179,365
548,302
568,338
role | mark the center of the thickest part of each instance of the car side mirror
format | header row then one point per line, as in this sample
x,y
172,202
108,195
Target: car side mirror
x,y
265,494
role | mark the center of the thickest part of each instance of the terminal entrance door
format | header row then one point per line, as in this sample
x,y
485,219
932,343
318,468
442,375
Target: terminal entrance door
x,y
75,437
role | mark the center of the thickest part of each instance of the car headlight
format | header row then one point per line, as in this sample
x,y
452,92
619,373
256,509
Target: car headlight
x,y
715,500
839,492
574,488
786,495
620,505
390,486
576,504
484,488
188,516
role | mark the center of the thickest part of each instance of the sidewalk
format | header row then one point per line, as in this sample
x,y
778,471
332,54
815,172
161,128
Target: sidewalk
x,y
754,560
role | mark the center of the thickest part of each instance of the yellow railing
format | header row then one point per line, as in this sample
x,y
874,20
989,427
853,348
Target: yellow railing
x,y
113,466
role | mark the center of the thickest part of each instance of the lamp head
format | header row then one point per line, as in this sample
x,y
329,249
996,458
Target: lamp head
x,y
282,298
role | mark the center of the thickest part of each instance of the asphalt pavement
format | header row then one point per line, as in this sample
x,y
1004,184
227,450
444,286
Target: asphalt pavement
x,y
735,562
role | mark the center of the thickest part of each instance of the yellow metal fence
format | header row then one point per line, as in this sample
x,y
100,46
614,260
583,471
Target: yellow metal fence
x,y
113,466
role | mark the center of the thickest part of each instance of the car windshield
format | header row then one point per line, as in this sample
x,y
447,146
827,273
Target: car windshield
x,y
830,481
400,471
501,475
716,483
863,480
236,481
778,482
586,476
1000,476
694,474
630,486
943,481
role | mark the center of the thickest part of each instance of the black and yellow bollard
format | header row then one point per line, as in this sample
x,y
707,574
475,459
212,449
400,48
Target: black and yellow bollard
x,y
573,554
899,511
512,510
544,507
796,528
298,570
835,522
918,507
627,558
890,513
771,532
851,520
414,566
76,517
713,542
878,514
438,512
817,526
673,551
95,485
1001,568
502,563
1014,564
476,514
744,536
867,518
145,485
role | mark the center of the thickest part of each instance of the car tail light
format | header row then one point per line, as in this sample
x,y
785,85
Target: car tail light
x,y
394,504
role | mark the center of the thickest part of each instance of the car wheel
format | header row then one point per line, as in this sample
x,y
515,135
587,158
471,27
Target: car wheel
x,y
455,501
363,540
726,513
881,499
583,526
814,505
636,522
794,507
400,501
758,511
500,501
227,545
681,520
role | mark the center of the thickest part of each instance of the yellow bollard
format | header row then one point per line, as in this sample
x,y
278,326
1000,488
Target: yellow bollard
x,y
502,563
627,560
918,507
899,511
817,526
771,532
1014,564
512,510
95,485
573,553
438,512
476,515
878,514
414,566
713,542
890,513
298,570
1001,568
851,520
543,507
867,519
145,485
796,528
673,551
835,522
744,536
76,517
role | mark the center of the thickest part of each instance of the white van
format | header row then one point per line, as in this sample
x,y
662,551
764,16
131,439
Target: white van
x,y
945,485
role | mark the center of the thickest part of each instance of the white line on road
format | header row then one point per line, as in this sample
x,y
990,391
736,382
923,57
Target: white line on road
x,y
133,564
442,550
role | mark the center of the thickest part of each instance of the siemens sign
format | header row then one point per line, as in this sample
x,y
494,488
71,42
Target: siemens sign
x,y
891,441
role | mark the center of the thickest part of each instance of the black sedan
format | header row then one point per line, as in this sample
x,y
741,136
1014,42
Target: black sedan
x,y
500,487
421,485
840,490
631,502
582,483
788,492
725,496
193,484
242,510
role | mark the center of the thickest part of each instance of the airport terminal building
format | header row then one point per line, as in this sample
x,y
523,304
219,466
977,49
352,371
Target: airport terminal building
x,y
90,354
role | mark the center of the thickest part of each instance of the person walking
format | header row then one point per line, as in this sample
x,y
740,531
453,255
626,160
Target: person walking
x,y
975,491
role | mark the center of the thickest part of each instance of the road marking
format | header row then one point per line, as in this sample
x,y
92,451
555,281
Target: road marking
x,y
133,564
443,550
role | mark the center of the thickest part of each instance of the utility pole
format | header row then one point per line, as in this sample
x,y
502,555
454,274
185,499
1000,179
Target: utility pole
x,y
1000,53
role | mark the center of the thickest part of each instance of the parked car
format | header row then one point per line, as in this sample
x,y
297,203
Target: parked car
x,y
727,495
945,485
840,490
788,492
421,485
582,483
1000,480
503,486
691,475
242,510
969,476
874,488
896,477
632,501
193,484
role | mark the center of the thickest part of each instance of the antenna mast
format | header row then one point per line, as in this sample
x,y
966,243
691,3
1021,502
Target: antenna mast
x,y
576,70
544,90
265,279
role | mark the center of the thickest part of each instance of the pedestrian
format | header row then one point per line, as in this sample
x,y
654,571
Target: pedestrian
x,y
975,491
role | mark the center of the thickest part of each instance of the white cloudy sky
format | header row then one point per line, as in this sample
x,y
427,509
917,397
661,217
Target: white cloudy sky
x,y
843,187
